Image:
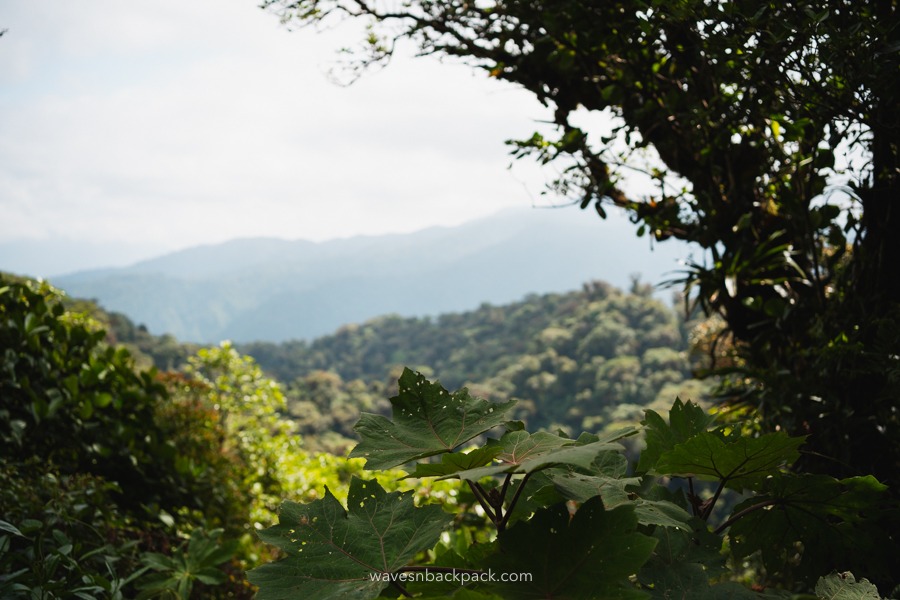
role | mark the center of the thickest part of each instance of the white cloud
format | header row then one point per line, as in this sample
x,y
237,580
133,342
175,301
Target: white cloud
x,y
176,123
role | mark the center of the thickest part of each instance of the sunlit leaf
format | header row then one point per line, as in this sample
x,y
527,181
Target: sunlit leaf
x,y
843,586
457,461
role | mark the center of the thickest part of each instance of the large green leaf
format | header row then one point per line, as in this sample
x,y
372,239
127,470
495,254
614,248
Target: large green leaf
x,y
683,563
739,461
332,553
590,555
427,420
685,421
522,452
661,513
843,586
839,517
605,478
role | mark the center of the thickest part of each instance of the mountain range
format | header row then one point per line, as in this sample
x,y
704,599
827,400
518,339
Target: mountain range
x,y
275,290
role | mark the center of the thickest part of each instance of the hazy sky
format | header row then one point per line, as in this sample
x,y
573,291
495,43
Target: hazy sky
x,y
149,125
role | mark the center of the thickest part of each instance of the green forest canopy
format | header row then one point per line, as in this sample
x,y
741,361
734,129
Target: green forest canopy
x,y
581,360
584,361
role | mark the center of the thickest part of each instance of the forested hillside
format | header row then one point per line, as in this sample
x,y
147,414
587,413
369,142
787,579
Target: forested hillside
x,y
579,361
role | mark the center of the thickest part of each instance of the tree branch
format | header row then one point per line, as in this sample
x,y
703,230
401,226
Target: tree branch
x,y
737,516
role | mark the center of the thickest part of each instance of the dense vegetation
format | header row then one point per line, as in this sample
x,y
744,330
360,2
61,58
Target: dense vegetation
x,y
578,361
121,482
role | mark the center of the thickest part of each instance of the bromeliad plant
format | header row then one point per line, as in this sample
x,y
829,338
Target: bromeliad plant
x,y
568,513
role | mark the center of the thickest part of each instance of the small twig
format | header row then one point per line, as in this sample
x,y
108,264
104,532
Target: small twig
x,y
692,497
737,516
512,503
400,588
482,500
712,501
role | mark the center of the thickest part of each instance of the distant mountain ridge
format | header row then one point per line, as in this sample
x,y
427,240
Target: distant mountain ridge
x,y
275,290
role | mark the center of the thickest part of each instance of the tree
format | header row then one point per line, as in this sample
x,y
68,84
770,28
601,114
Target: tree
x,y
771,133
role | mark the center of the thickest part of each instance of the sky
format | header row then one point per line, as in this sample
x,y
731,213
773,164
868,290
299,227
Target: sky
x,y
129,129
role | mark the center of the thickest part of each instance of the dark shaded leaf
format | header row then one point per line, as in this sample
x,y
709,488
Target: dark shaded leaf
x,y
683,563
332,553
589,555
685,421
839,516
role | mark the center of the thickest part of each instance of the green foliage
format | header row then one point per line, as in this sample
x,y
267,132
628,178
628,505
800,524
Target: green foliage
x,y
736,461
72,400
590,554
332,553
246,407
62,536
843,586
98,503
195,561
565,513
832,522
427,421
685,422
578,361
520,452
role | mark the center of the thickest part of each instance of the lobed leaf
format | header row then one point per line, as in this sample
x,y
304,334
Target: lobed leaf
x,y
683,563
457,461
427,420
588,555
843,586
740,462
333,553
685,421
841,517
